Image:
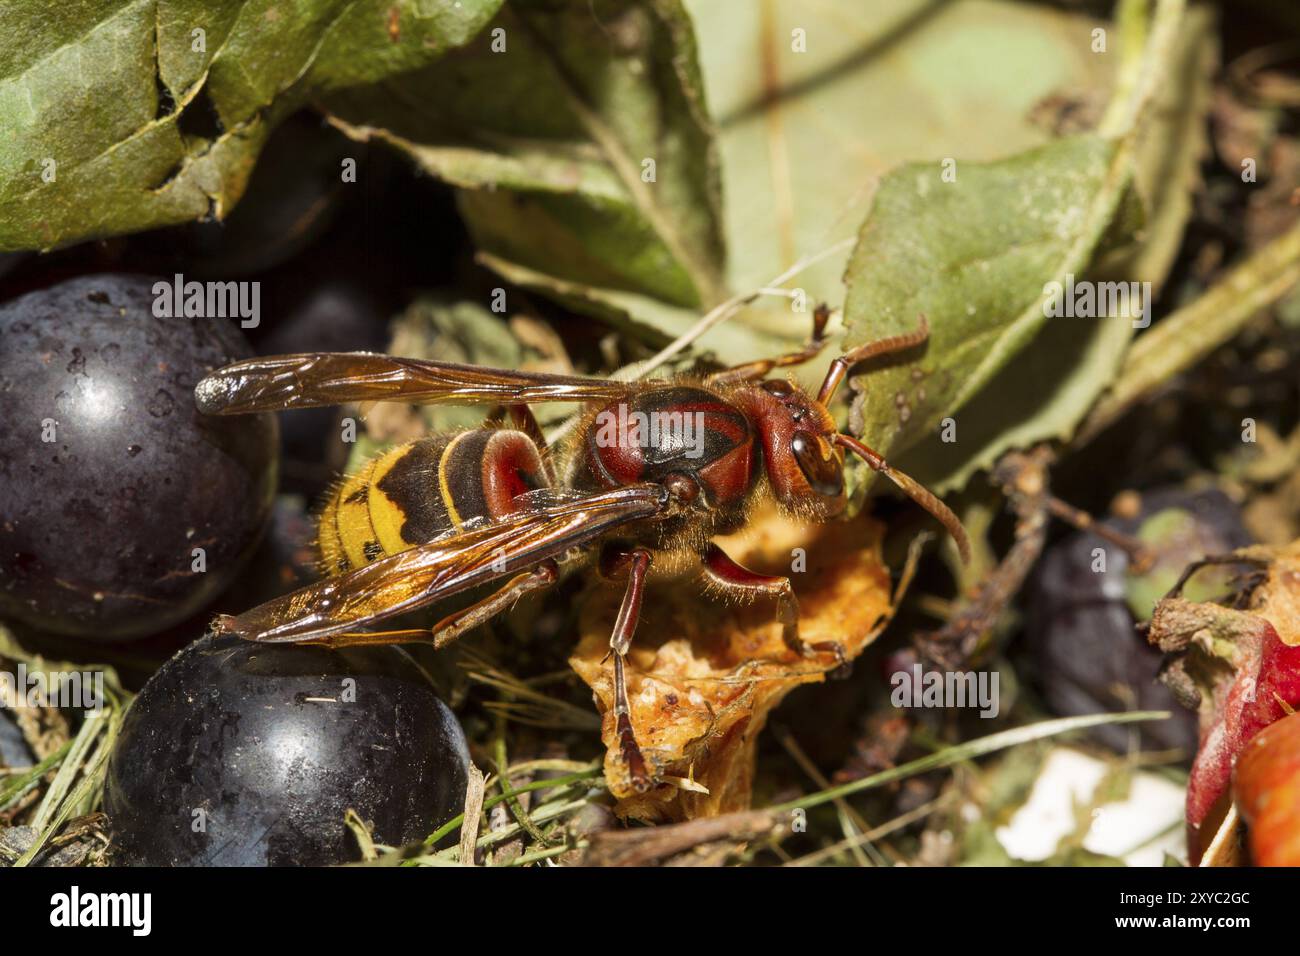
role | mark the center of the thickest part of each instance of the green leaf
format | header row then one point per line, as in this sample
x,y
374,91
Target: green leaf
x,y
553,118
974,256
99,100
1045,391
1043,394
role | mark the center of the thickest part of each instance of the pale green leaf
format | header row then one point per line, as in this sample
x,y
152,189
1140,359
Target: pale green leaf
x,y
806,136
1044,392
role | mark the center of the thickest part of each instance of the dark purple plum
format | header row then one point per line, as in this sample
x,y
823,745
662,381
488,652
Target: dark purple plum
x,y
242,754
110,478
10,261
1082,633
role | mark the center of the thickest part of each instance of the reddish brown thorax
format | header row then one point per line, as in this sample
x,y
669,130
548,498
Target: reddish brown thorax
x,y
709,447
666,435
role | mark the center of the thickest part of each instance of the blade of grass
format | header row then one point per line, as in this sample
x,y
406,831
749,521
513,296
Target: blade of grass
x,y
85,789
591,776
68,770
352,820
525,704
512,801
544,813
535,856
967,751
13,790
851,822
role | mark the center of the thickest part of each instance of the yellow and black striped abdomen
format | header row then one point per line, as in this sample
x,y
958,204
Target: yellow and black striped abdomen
x,y
421,489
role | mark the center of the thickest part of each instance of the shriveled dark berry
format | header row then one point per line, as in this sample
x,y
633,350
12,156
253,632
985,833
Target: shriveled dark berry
x,y
14,751
292,197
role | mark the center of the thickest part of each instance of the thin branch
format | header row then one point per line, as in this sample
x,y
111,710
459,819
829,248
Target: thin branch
x,y
723,311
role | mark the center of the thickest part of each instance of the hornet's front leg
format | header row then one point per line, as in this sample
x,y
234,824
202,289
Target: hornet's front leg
x,y
753,371
724,571
636,564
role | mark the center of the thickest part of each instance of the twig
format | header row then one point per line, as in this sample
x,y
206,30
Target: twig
x,y
649,845
1023,477
1139,553
722,312
473,812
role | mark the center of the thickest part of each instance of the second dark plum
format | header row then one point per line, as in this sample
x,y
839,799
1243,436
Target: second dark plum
x,y
243,754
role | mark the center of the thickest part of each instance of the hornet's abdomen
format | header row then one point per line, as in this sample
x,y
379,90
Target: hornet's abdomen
x,y
421,489
672,430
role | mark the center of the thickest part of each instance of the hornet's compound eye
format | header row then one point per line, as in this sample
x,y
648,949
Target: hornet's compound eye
x,y
819,464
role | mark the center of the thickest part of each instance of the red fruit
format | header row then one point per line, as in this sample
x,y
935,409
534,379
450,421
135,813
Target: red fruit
x,y
1267,791
1239,668
1269,674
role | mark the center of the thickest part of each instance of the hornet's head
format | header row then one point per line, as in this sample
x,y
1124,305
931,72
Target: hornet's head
x,y
803,461
803,450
